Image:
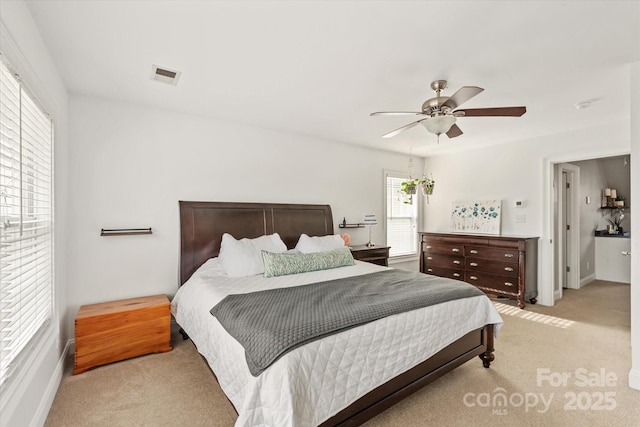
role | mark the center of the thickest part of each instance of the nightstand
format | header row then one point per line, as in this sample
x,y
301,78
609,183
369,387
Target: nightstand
x,y
374,254
118,330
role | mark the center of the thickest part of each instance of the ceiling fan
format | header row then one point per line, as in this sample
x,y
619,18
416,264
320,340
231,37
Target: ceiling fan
x,y
441,111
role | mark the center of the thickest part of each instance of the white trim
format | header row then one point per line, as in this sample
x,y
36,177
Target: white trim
x,y
634,374
587,279
420,213
12,399
24,377
634,379
573,262
546,274
40,417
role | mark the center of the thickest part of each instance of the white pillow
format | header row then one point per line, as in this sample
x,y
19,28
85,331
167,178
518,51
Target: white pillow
x,y
243,257
210,269
308,245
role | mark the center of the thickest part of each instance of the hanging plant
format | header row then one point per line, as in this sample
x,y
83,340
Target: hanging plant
x,y
408,189
427,185
410,186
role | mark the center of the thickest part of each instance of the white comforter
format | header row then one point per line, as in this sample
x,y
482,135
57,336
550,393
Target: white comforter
x,y
314,382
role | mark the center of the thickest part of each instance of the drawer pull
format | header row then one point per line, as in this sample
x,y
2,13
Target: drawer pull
x,y
456,261
473,264
473,278
429,258
428,247
456,274
508,269
509,255
455,250
430,270
473,251
508,284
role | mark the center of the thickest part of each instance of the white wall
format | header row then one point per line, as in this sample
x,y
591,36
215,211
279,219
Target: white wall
x,y
130,165
592,182
518,171
28,396
617,172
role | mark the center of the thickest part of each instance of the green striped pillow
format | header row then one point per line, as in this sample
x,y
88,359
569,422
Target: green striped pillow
x,y
293,263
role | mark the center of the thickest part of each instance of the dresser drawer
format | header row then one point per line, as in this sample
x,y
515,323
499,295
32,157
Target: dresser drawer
x,y
439,248
445,272
498,254
508,269
491,281
439,260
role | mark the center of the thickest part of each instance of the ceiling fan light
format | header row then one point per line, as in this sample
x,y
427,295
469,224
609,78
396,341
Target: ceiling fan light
x,y
439,124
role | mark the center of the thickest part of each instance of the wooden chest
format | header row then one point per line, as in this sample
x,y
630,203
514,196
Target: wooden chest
x,y
500,265
117,330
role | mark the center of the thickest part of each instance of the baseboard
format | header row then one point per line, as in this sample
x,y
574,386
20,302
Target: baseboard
x,y
634,379
587,279
40,417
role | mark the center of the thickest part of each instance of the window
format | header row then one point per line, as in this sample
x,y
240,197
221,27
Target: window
x,y
26,276
401,219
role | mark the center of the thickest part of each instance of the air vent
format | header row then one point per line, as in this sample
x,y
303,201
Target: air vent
x,y
165,75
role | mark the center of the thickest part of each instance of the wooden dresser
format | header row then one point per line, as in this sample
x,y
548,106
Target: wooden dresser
x,y
118,330
499,265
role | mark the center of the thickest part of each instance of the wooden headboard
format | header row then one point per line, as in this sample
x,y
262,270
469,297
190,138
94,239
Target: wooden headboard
x,y
202,225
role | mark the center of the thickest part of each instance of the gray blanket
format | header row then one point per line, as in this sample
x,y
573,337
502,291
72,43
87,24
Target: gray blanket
x,y
270,323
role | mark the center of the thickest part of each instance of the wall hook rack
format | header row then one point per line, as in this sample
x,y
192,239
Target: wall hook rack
x,y
124,231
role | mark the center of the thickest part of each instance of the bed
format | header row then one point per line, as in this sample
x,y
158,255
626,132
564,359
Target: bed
x,y
336,380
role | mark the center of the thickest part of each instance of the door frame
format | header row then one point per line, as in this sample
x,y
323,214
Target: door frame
x,y
570,246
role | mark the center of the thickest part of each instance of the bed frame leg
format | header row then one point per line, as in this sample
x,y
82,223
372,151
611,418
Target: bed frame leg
x,y
184,334
488,356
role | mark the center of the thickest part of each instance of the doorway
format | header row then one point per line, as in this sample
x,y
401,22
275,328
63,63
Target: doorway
x,y
577,212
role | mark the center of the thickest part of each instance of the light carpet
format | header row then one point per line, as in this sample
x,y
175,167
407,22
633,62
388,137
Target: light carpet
x,y
565,365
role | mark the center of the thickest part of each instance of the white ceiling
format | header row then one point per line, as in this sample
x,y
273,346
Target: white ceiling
x,y
319,68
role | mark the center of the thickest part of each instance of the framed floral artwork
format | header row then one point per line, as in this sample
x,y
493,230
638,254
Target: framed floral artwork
x,y
476,216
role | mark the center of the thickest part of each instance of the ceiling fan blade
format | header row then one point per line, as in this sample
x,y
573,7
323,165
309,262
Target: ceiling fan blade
x,y
500,111
463,94
403,128
396,113
454,131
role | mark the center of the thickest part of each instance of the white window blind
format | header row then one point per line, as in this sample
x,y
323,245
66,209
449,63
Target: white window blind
x,y
26,278
402,219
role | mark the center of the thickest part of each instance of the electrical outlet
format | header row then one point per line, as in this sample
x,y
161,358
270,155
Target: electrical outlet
x,y
521,218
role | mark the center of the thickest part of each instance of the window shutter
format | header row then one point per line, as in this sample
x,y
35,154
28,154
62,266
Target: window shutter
x,y
26,277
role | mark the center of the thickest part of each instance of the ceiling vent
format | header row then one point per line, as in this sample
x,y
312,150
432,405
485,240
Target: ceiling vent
x,y
165,75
